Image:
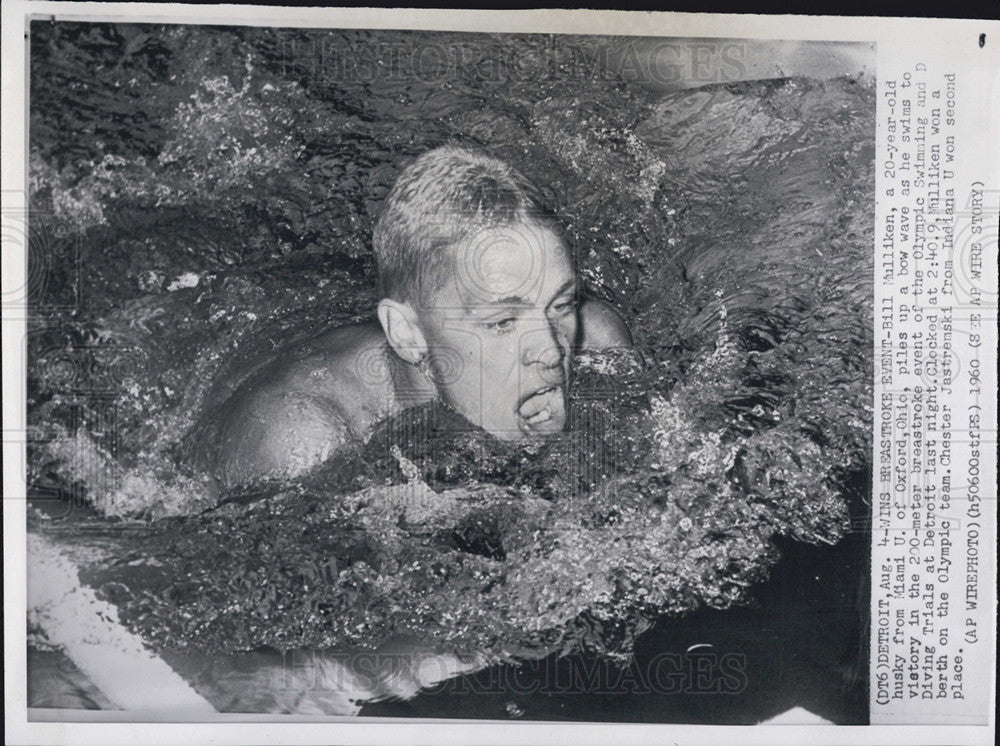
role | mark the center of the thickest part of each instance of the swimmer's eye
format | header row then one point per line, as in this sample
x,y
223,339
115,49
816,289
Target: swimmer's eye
x,y
502,325
563,307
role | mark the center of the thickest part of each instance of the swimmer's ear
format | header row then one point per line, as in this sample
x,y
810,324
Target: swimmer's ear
x,y
399,322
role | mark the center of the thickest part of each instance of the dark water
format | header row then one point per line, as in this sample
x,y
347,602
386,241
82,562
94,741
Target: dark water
x,y
731,224
802,644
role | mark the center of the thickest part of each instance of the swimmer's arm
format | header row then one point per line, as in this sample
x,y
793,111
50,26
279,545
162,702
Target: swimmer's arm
x,y
601,327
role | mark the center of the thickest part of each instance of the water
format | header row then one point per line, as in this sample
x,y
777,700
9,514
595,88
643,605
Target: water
x,y
731,224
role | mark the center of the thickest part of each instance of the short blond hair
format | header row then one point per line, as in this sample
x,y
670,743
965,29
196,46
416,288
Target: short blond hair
x,y
443,196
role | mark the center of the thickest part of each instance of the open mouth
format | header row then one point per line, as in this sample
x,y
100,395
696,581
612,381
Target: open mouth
x,y
543,410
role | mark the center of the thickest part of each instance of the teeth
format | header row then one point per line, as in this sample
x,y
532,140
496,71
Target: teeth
x,y
543,416
541,398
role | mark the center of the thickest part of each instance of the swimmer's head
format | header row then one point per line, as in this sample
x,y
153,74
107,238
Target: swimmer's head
x,y
441,198
478,289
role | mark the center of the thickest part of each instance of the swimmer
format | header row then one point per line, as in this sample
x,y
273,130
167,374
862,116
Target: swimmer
x,y
480,309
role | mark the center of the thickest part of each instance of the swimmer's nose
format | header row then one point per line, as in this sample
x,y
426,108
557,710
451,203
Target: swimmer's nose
x,y
542,348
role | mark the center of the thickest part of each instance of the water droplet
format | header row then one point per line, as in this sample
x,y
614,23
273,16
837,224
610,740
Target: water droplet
x,y
514,710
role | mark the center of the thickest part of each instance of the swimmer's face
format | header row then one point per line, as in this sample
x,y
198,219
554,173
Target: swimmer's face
x,y
500,331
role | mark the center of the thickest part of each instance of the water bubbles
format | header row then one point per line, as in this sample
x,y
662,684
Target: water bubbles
x,y
186,280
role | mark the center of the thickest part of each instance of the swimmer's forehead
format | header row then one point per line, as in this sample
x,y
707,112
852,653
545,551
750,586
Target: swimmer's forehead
x,y
515,265
510,301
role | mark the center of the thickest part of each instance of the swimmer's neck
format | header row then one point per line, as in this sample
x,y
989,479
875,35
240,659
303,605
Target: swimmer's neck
x,y
411,386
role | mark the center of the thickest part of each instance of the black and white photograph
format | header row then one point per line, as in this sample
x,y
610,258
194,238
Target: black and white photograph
x,y
402,374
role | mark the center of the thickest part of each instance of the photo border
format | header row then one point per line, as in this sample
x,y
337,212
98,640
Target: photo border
x,y
955,38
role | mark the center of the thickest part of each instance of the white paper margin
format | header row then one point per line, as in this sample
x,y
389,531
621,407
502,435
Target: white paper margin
x,y
955,39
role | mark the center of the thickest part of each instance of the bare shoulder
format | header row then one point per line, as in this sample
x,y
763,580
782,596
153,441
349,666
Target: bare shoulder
x,y
602,327
302,409
276,435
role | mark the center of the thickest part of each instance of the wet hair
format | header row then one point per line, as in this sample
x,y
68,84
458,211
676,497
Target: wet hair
x,y
439,199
